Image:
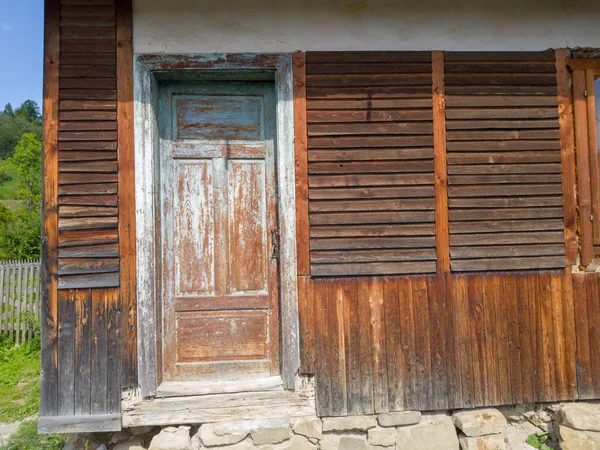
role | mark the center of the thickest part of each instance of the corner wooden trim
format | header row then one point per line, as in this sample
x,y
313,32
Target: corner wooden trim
x,y
79,424
126,183
583,64
583,166
301,156
442,234
567,157
593,150
49,377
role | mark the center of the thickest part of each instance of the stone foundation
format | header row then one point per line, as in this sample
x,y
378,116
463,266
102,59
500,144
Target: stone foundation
x,y
569,426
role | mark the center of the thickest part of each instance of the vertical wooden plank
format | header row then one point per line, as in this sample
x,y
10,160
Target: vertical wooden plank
x,y
98,358
18,300
491,340
49,322
459,298
337,349
442,234
478,350
366,352
504,370
452,350
66,352
569,333
307,325
83,338
301,161
11,300
380,385
323,341
514,342
408,327
30,297
567,143
113,353
3,303
539,387
423,388
558,334
548,351
393,345
437,311
584,370
126,180
593,302
583,166
593,149
352,338
525,337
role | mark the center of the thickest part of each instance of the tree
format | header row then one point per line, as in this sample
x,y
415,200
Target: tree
x,y
8,111
28,161
11,130
30,111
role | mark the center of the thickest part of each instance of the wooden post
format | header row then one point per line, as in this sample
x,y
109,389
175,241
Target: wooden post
x,y
593,150
442,235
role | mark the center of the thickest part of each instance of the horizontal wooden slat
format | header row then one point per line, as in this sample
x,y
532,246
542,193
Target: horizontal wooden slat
x,y
89,115
367,115
96,280
366,92
525,263
74,266
504,169
372,243
87,126
370,141
370,154
86,223
371,192
88,200
411,229
85,58
369,104
499,67
502,179
544,56
88,94
87,211
503,157
90,251
87,237
510,79
504,214
496,226
500,90
370,180
87,45
503,135
87,189
87,145
405,204
87,21
371,167
505,202
497,251
364,57
98,105
85,9
505,238
88,83
507,191
85,178
87,156
381,67
370,255
488,101
383,268
502,113
499,124
371,217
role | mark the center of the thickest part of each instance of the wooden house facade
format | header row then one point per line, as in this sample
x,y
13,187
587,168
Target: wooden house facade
x,y
238,199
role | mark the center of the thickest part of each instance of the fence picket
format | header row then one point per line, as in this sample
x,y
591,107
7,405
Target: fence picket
x,y
20,292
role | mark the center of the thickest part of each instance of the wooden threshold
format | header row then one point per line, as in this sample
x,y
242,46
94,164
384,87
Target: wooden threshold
x,y
191,388
79,424
267,404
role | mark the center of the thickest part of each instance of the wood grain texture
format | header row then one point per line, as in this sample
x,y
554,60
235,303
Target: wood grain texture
x,y
590,76
452,340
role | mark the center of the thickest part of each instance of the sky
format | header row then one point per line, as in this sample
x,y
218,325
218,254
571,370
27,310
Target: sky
x,y
21,51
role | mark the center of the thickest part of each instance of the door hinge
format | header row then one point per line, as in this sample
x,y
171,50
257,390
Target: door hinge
x,y
274,244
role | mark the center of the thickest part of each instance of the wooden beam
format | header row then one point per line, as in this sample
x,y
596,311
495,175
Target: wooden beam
x,y
567,157
442,236
583,64
583,166
301,155
126,179
80,424
593,149
49,374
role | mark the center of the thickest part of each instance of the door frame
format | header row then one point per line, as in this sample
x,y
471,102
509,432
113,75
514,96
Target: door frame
x,y
146,67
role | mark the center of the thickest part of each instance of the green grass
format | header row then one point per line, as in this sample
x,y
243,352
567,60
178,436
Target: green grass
x,y
7,189
28,439
19,380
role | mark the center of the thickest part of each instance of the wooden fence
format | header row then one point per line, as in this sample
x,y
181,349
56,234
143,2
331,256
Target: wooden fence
x,y
19,299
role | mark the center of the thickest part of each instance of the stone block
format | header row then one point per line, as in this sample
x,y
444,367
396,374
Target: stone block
x,y
434,432
354,443
296,442
135,443
382,436
490,442
571,439
172,438
310,427
581,416
119,436
136,431
223,433
479,422
398,419
270,431
350,423
516,435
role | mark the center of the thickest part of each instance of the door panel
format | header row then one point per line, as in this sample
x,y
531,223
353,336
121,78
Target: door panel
x,y
218,212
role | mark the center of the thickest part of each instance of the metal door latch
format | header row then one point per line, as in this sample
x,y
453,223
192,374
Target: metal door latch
x,y
274,244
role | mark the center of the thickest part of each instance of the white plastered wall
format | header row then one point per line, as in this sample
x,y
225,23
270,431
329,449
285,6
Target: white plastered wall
x,y
208,26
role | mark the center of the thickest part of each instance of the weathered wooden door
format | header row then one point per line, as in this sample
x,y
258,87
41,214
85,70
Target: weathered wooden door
x,y
218,231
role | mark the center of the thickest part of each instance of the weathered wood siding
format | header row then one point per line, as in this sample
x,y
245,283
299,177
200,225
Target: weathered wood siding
x,y
83,321
451,340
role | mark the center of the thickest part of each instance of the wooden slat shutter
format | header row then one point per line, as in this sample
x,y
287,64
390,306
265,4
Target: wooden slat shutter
x,y
370,163
504,161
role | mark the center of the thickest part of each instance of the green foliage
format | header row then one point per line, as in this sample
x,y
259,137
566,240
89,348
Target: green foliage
x,y
27,159
8,110
19,379
30,111
28,439
8,187
11,130
539,441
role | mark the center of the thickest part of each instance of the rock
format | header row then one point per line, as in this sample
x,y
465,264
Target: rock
x,y
223,433
119,436
270,431
581,416
296,442
172,438
7,430
81,442
350,423
516,413
479,422
309,427
381,436
398,419
434,432
102,447
572,439
492,442
354,443
517,433
135,443
136,431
